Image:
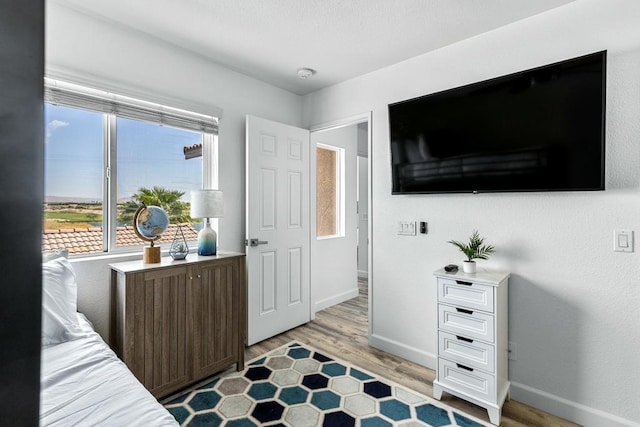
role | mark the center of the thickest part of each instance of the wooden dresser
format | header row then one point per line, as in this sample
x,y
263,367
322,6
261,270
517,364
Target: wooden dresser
x,y
177,322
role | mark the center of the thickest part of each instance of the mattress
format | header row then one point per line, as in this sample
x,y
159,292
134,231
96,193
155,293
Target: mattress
x,y
83,383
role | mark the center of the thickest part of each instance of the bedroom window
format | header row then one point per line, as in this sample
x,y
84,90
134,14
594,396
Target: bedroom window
x,y
105,153
329,191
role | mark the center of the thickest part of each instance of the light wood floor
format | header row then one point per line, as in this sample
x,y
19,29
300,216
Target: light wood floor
x,y
341,330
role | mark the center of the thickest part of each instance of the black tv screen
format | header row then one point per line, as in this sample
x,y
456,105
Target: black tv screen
x,y
536,130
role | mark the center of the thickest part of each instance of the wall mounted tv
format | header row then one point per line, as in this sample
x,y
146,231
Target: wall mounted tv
x,y
536,130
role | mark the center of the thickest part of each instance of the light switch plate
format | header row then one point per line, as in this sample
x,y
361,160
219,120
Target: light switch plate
x,y
406,228
623,240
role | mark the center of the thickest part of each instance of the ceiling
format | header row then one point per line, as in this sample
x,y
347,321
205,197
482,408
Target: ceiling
x,y
340,39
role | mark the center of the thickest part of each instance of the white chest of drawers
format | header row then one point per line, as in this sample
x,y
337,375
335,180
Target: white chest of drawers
x,y
473,347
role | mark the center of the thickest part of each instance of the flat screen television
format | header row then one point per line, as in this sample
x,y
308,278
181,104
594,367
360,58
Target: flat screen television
x,y
535,130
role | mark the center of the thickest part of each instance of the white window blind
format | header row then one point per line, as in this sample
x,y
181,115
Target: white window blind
x,y
68,94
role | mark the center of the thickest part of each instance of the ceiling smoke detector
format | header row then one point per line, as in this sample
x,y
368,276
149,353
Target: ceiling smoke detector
x,y
305,73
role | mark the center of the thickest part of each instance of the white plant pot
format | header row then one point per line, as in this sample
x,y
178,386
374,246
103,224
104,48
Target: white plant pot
x,y
469,266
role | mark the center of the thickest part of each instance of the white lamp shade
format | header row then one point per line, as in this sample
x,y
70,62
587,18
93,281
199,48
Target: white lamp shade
x,y
206,204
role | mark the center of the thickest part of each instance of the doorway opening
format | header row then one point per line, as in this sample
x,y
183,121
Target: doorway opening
x,y
340,201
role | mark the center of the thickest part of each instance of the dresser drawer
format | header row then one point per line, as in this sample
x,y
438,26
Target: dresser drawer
x,y
468,323
472,353
465,294
474,382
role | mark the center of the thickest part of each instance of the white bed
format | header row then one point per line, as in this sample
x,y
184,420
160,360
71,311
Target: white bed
x,y
83,383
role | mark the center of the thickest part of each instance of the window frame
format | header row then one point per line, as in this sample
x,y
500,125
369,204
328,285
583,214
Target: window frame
x,y
340,202
71,95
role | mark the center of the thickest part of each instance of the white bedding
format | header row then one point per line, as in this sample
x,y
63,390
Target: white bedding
x,y
83,383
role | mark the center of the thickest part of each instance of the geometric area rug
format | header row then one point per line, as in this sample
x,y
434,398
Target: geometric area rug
x,y
299,386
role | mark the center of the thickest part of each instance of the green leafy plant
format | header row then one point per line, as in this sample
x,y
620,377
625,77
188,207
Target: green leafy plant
x,y
475,249
167,199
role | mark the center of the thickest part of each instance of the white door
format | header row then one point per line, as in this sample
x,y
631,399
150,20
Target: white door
x,y
277,227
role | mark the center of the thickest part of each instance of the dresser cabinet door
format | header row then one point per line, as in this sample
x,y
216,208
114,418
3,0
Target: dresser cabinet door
x,y
157,329
473,353
178,322
462,293
215,309
468,323
472,382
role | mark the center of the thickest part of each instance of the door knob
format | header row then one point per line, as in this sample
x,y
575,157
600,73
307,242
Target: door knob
x,y
256,242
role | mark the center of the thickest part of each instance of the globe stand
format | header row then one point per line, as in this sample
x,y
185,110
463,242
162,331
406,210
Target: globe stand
x,y
151,254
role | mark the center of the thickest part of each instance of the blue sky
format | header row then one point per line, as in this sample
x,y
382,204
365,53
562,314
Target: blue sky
x,y
148,155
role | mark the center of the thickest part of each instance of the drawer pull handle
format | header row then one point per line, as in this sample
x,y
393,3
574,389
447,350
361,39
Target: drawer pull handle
x,y
462,310
469,340
464,367
462,282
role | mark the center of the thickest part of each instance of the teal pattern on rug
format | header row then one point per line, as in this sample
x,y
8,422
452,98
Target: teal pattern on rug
x,y
298,386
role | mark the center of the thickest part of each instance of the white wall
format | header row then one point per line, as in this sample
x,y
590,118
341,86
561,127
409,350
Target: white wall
x,y
573,301
113,57
363,217
334,277
363,200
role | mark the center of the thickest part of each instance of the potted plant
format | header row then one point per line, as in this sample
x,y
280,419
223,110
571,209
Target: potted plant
x,y
475,249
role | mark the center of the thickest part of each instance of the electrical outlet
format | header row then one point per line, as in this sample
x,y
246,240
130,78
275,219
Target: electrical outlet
x,y
513,351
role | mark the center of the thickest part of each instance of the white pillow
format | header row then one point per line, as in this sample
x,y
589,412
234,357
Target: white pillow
x,y
56,253
59,302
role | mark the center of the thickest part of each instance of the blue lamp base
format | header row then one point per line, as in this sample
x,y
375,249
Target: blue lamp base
x,y
207,240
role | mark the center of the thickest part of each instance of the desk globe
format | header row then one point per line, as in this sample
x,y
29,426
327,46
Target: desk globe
x,y
149,222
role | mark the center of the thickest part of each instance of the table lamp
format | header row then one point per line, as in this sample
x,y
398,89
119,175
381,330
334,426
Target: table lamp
x,y
207,204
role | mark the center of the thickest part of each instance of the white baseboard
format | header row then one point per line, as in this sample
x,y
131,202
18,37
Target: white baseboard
x,y
336,299
363,274
567,409
399,349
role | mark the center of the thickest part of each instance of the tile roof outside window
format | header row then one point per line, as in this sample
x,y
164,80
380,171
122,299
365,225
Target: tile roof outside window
x,y
86,240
